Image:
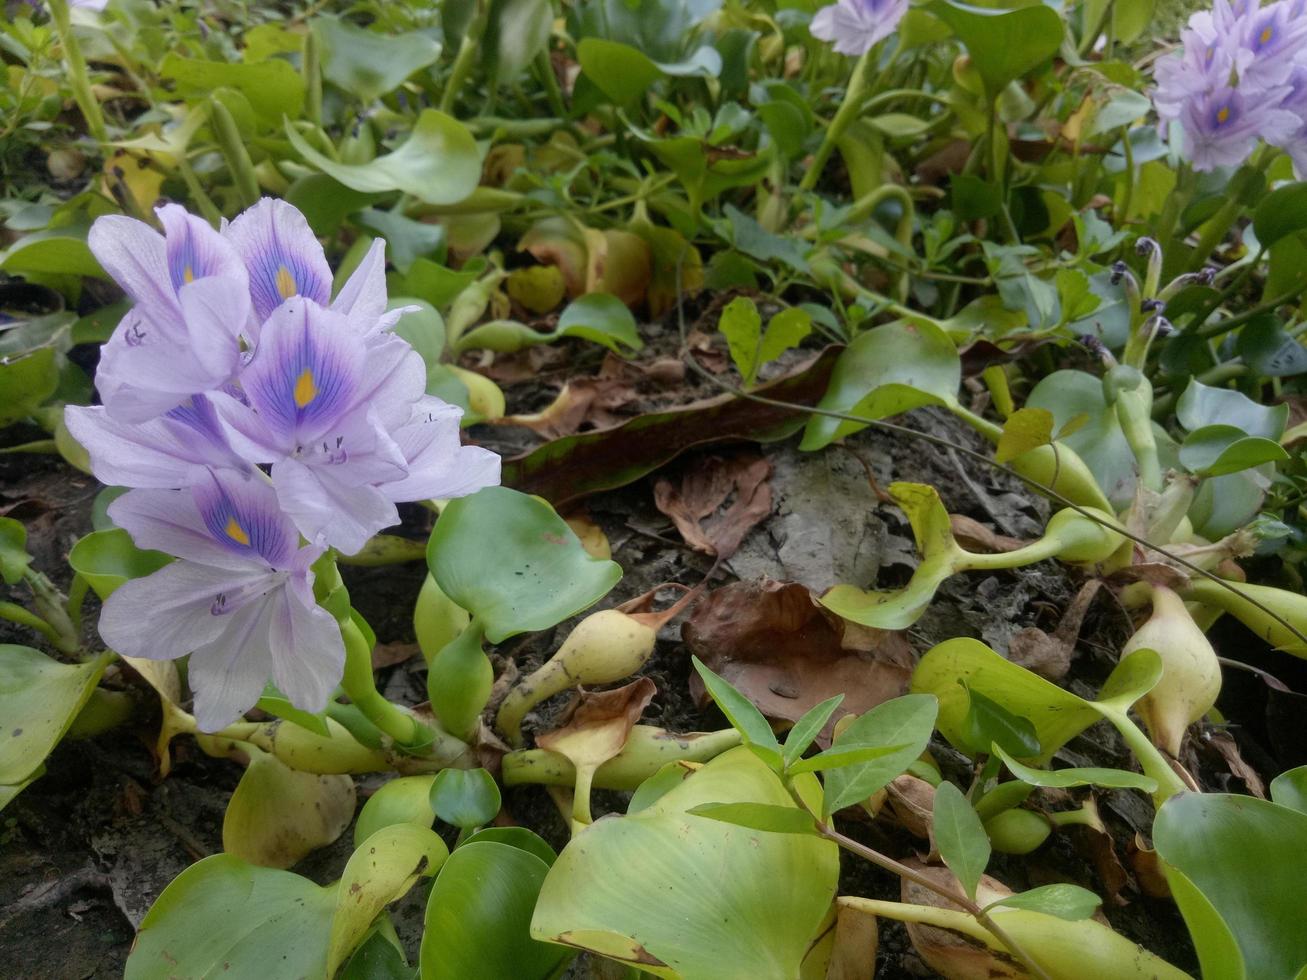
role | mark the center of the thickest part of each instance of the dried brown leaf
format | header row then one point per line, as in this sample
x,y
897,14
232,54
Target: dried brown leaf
x,y
976,536
599,722
737,486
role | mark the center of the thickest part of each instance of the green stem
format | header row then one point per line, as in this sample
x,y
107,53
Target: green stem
x,y
78,79
1150,758
865,205
545,69
1042,550
25,617
361,687
1232,323
36,446
846,113
1134,413
982,425
467,53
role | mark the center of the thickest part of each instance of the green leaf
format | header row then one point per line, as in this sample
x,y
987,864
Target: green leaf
x,y
739,710
1215,450
519,837
378,959
107,559
786,330
423,328
621,72
479,916
276,703
368,64
326,202
759,816
1098,440
1269,350
1281,213
960,837
512,562
26,382
14,558
439,162
406,240
1290,789
1218,951
808,727
908,721
1058,715
839,756
887,370
742,327
1248,859
405,799
739,917
988,726
465,797
520,30
274,88
1201,406
671,775
1004,44
39,698
58,251
1069,902
603,319
1077,776
1025,429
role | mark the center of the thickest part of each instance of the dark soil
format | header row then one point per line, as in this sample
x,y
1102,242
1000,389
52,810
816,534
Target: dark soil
x,y
88,847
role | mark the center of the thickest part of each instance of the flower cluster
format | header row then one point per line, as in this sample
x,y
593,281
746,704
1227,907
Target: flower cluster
x,y
1241,77
258,422
855,26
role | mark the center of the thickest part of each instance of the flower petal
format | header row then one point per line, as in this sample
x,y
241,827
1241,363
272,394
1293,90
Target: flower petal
x,y
281,254
195,251
326,510
440,467
242,515
228,674
166,614
363,297
170,521
133,254
308,655
215,310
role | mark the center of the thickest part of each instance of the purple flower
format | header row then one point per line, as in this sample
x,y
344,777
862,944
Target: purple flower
x,y
855,26
239,600
1274,41
317,403
439,467
1222,127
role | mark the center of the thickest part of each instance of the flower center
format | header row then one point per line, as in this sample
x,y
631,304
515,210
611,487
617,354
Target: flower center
x,y
237,533
285,282
306,389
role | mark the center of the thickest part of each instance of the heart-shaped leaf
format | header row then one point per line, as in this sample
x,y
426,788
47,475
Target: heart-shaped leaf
x,y
368,64
39,698
1215,450
464,797
107,559
1003,44
512,562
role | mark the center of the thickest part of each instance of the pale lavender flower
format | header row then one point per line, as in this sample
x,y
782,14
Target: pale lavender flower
x,y
1295,102
439,466
1222,127
239,601
855,26
1274,40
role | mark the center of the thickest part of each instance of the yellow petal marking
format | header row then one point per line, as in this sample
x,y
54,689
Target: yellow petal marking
x,y
1267,34
188,274
305,388
1223,115
286,283
236,532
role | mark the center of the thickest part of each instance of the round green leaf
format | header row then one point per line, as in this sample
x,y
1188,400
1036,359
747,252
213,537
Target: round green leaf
x,y
512,562
519,837
368,64
273,87
1281,213
1248,858
438,164
479,917
679,895
406,799
1098,440
1216,450
107,559
602,318
26,382
887,370
57,251
39,698
464,797
1004,44
621,72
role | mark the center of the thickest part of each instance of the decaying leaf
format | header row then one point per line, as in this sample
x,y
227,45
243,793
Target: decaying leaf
x,y
786,653
598,723
948,953
913,802
1050,656
717,501
1224,745
974,536
584,403
856,940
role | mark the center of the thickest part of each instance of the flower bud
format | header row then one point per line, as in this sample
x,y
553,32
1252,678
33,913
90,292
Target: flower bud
x,y
1017,831
1191,675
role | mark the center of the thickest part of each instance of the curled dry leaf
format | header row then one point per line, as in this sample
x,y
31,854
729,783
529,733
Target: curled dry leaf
x,y
718,501
857,937
948,953
1224,745
975,536
1147,867
786,653
913,802
598,723
584,403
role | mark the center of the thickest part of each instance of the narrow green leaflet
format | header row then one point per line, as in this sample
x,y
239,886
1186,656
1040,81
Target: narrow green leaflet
x,y
759,816
1070,902
1077,776
908,721
739,711
808,727
960,837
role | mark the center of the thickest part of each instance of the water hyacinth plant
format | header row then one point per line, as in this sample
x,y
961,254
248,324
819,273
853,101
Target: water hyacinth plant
x,y
602,488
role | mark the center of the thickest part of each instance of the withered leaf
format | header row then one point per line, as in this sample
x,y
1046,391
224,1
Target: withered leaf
x,y
786,653
598,723
737,483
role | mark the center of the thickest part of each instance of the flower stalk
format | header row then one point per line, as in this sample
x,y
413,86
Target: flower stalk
x,y
78,79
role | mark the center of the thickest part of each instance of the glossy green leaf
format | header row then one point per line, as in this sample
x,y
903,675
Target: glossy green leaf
x,y
1058,715
39,698
908,721
739,710
621,72
1281,213
960,837
808,727
1269,350
378,958
1218,951
405,799
518,32
1069,902
839,756
1099,440
887,370
1003,44
58,251
273,87
1215,450
14,558
989,726
512,562
1290,789
717,877
519,837
1201,406
107,559
438,163
479,916
1248,858
26,383
464,797
1078,776
368,64
603,319
759,816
